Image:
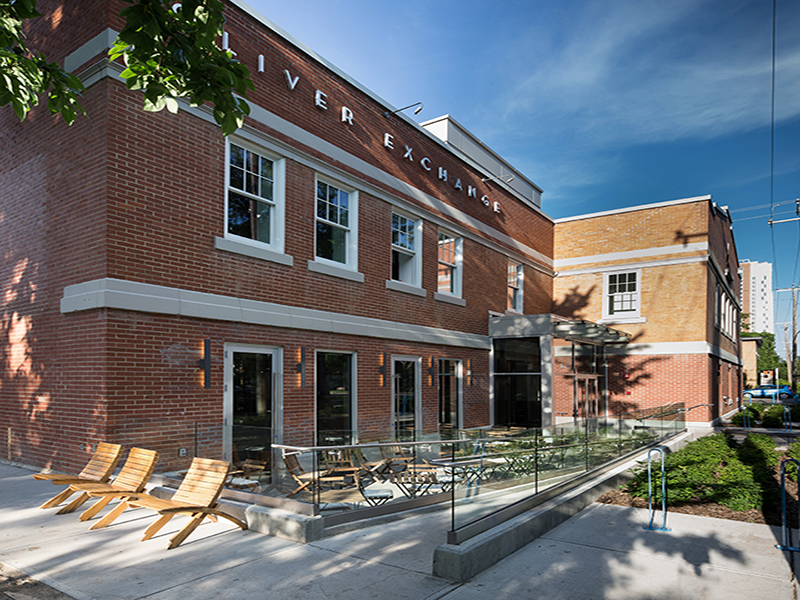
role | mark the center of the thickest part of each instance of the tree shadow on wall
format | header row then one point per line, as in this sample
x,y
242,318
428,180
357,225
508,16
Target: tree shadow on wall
x,y
573,303
22,370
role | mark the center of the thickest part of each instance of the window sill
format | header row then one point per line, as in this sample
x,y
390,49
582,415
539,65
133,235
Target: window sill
x,y
449,298
399,286
334,271
623,320
229,245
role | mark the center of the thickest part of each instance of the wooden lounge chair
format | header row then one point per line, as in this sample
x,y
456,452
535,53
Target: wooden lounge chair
x,y
98,469
196,496
132,478
308,480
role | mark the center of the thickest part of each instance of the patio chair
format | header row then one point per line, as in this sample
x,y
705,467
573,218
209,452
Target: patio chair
x,y
196,496
374,496
308,480
378,468
98,469
133,476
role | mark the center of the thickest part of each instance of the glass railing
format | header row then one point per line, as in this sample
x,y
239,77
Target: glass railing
x,y
477,471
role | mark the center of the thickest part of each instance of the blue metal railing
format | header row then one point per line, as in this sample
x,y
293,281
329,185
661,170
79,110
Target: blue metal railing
x,y
786,545
650,491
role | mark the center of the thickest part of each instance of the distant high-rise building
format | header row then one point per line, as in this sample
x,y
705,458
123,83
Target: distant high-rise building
x,y
757,295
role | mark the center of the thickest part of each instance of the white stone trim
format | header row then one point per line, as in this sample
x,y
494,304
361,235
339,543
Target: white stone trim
x,y
672,348
631,254
619,211
399,286
252,250
449,298
326,268
634,265
145,297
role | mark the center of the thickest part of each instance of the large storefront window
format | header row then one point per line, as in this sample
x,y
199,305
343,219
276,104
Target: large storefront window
x,y
518,382
334,398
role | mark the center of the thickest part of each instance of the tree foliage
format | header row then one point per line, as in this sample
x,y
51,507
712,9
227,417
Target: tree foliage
x,y
170,51
25,76
768,359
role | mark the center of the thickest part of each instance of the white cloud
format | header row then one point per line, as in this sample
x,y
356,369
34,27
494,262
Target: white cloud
x,y
641,72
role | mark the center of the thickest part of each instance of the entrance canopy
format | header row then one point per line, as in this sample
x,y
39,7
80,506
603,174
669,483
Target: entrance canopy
x,y
585,332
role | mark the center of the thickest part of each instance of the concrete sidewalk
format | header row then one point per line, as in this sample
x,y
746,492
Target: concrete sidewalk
x,y
603,552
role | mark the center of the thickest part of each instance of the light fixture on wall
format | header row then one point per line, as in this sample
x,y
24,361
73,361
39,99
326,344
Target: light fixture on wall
x,y
416,111
384,370
204,364
432,371
301,367
500,177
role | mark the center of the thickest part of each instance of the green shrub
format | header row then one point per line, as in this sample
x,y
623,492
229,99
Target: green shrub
x,y
757,409
712,469
793,452
773,417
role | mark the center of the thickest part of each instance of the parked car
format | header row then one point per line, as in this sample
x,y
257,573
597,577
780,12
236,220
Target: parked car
x,y
784,392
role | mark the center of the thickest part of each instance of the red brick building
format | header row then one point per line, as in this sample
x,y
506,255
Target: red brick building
x,y
328,273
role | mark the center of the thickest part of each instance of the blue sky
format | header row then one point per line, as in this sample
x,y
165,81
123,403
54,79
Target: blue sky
x,y
604,103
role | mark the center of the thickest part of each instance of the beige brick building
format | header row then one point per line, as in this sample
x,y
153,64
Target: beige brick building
x,y
665,274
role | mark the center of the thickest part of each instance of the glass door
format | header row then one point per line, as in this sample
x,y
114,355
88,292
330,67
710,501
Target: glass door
x,y
405,397
250,389
449,397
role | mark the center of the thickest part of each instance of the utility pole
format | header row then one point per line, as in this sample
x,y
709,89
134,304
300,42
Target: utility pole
x,y
788,352
792,366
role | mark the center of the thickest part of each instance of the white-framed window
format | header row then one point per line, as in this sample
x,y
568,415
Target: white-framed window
x,y
622,295
406,254
254,211
515,280
335,238
726,314
450,261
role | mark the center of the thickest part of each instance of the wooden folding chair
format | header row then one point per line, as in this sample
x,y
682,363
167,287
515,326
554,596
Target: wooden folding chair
x,y
132,478
98,469
196,496
308,480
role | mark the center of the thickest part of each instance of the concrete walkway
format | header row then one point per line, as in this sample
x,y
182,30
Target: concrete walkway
x,y
603,552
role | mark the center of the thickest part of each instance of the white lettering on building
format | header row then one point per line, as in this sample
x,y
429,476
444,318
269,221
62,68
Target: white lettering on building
x,y
319,99
347,115
291,81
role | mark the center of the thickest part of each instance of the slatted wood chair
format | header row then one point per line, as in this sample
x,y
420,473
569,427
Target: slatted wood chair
x,y
308,480
132,478
98,469
196,496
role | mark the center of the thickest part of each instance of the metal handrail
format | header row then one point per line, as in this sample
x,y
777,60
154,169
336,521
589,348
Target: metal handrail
x,y
786,545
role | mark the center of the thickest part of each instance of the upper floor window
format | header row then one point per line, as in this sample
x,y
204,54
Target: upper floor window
x,y
449,271
335,224
622,296
254,203
515,281
405,249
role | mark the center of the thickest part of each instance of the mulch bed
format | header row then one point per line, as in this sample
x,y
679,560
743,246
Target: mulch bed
x,y
769,515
